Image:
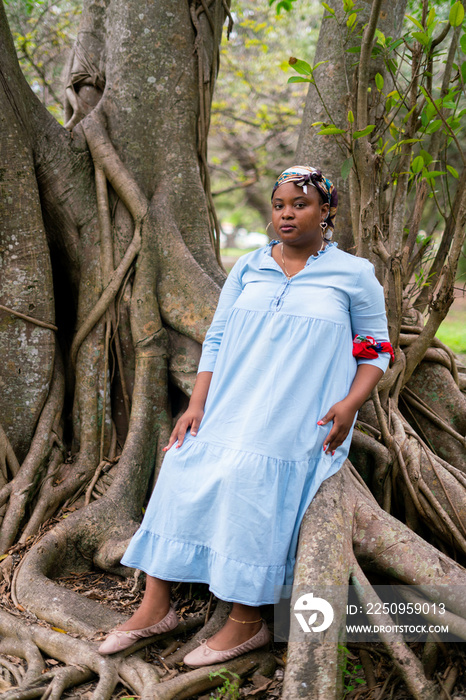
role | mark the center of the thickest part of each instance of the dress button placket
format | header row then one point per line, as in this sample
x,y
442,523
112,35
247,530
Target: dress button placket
x,y
279,299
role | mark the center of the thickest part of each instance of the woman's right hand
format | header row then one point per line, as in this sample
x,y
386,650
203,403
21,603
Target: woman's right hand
x,y
191,417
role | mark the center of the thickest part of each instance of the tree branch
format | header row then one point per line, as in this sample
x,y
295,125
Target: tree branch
x,y
364,63
444,297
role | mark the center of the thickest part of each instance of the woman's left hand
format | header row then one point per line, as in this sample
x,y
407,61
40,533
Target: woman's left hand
x,y
342,414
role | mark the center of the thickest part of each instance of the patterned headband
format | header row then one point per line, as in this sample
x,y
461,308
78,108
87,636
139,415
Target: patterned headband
x,y
304,175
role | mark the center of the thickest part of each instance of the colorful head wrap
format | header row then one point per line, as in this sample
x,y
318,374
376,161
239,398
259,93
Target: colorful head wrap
x,y
304,175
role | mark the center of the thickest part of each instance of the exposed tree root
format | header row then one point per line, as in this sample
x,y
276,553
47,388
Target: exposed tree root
x,y
407,663
30,319
332,529
199,680
82,659
27,650
83,663
434,387
25,480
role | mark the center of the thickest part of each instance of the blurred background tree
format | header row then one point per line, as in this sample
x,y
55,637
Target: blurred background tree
x,y
44,33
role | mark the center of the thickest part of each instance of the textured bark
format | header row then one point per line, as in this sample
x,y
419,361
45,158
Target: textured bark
x,y
323,563
26,350
435,385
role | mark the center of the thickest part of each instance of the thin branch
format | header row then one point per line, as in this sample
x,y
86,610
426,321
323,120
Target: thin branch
x,y
365,62
447,127
233,188
444,297
443,35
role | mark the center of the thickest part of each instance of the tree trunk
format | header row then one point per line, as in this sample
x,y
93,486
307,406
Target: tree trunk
x,y
110,277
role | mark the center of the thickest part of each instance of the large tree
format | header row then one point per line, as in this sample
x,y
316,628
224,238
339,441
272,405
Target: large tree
x,y
110,276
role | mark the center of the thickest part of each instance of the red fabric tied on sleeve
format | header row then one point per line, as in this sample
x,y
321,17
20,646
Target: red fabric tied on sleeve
x,y
368,348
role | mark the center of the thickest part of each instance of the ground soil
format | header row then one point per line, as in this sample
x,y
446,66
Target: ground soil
x,y
124,595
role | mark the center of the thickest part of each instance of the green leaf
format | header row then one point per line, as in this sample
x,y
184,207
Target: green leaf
x,y
424,92
408,114
463,43
351,117
422,37
348,5
283,6
434,126
427,157
433,173
299,66
286,5
430,16
316,123
354,49
463,70
453,172
393,129
328,8
400,143
417,164
416,22
299,79
346,167
382,146
364,132
454,125
379,81
395,44
351,19
456,14
327,130
422,239
380,37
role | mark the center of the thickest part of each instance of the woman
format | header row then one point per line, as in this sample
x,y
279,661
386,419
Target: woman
x,y
270,417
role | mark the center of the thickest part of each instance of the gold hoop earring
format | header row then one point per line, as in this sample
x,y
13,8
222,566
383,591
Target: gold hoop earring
x,y
267,227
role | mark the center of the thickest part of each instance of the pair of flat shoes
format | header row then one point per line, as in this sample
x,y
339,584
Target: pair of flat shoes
x,y
203,655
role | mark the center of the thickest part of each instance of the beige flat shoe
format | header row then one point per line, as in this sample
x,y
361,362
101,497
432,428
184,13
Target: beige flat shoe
x,y
118,640
204,655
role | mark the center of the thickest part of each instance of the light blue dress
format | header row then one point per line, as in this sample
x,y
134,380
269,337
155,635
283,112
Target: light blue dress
x,y
228,504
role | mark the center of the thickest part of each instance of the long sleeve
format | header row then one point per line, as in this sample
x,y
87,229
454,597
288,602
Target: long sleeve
x,y
230,292
367,309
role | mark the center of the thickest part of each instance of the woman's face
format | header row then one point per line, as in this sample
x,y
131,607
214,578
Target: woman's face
x,y
296,216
